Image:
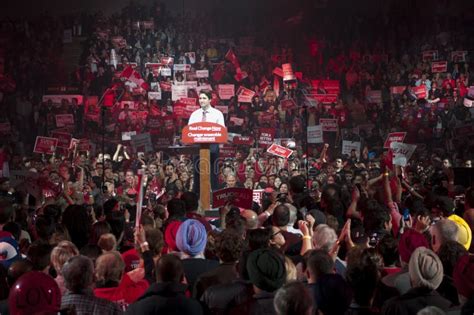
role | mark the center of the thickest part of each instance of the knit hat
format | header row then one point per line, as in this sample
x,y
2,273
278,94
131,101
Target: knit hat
x,y
463,276
410,241
191,237
425,269
266,269
170,235
464,231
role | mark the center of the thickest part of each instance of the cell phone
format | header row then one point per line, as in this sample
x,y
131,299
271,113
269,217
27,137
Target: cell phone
x,y
406,214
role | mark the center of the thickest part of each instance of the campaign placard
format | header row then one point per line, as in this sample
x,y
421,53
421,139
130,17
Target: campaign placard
x,y
127,135
243,140
280,151
226,91
265,137
402,152
45,145
439,66
420,91
178,92
202,74
348,146
315,134
64,139
328,124
288,104
142,142
239,197
394,137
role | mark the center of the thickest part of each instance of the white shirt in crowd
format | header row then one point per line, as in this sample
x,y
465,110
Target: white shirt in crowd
x,y
211,115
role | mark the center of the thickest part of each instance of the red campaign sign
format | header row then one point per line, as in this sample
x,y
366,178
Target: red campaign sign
x,y
165,86
240,140
84,145
45,145
429,55
288,74
188,101
278,72
458,56
64,139
420,91
397,90
245,95
154,122
265,137
394,137
239,197
324,98
287,104
280,151
328,124
227,152
330,86
439,66
178,110
64,120
168,123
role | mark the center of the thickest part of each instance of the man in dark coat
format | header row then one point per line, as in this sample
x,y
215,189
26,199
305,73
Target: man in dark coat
x,y
426,274
167,296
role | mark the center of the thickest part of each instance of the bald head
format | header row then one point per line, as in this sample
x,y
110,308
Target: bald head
x,y
251,219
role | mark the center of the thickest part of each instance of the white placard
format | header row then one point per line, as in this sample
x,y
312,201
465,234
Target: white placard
x,y
315,134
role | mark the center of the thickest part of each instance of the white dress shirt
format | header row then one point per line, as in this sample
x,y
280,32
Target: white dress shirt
x,y
212,115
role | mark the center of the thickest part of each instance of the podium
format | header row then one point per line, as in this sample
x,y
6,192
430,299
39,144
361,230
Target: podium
x,y
204,134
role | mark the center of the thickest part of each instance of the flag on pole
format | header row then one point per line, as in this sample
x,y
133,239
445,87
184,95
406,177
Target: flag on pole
x,y
134,76
232,58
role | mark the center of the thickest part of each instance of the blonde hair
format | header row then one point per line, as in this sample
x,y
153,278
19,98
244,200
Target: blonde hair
x,y
107,242
62,253
291,272
109,267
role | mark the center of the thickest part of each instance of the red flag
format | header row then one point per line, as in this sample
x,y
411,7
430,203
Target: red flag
x,y
134,76
232,58
276,85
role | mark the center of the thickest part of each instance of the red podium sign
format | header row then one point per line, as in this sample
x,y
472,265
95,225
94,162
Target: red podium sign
x,y
204,132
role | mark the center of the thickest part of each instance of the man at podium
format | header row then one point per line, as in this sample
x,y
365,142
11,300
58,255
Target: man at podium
x,y
207,113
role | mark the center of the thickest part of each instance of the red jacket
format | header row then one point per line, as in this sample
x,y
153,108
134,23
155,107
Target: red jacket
x,y
126,293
